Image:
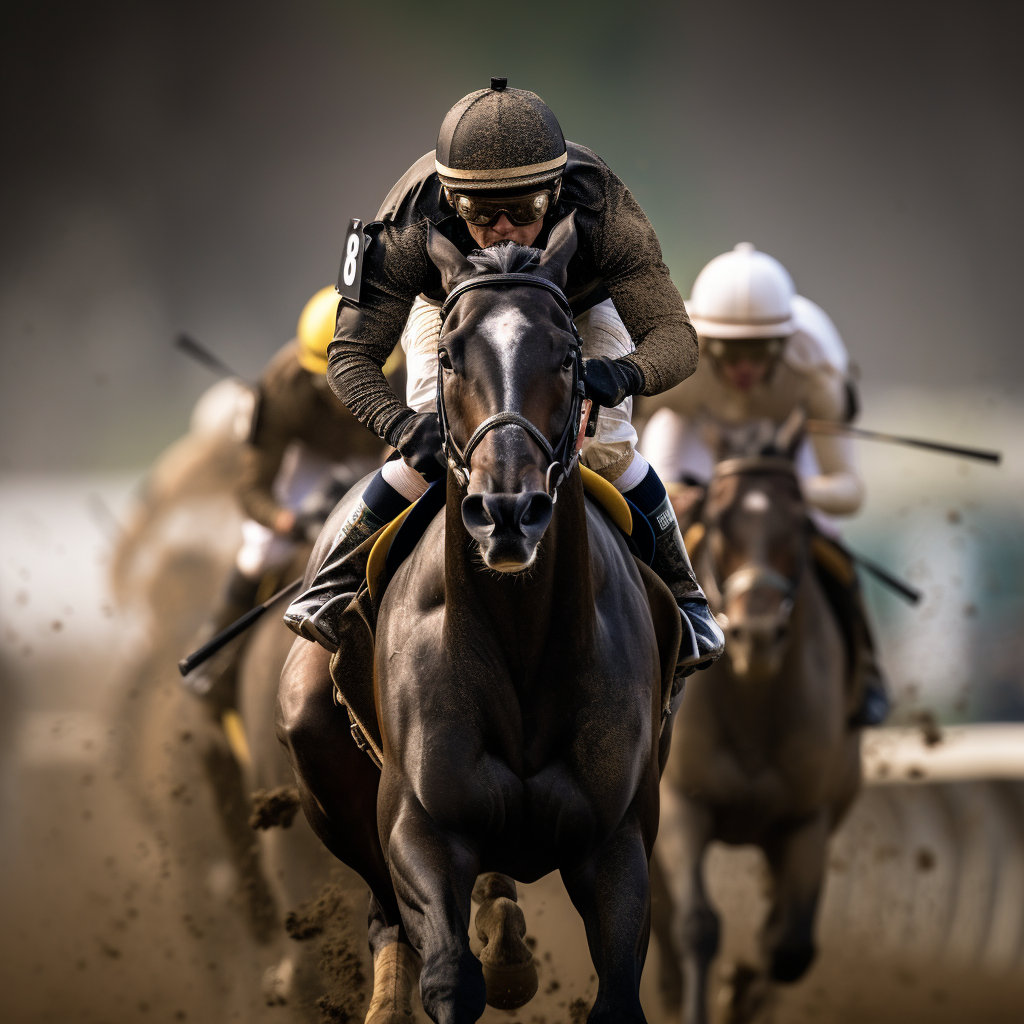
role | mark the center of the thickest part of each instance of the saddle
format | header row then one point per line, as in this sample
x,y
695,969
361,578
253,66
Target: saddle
x,y
352,665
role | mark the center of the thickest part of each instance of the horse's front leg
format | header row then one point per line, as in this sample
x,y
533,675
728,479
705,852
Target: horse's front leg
x,y
433,871
338,789
686,830
611,891
797,860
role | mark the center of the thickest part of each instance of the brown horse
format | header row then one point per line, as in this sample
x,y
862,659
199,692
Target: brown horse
x,y
763,754
522,662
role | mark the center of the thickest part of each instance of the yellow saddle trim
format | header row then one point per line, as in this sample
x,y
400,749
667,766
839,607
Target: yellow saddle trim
x,y
606,495
379,551
833,560
693,536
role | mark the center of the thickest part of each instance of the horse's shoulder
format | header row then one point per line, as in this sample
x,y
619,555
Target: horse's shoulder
x,y
609,555
419,581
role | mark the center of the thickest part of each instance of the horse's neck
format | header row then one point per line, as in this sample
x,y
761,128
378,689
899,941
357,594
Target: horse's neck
x,y
553,602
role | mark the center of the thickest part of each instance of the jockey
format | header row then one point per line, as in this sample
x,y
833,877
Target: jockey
x,y
502,171
764,352
298,434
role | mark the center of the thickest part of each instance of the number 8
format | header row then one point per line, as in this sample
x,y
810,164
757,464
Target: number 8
x,y
351,253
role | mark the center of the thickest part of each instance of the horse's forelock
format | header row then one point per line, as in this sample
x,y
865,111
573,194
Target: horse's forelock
x,y
505,258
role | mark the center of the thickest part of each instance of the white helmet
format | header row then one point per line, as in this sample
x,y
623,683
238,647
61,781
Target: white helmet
x,y
743,294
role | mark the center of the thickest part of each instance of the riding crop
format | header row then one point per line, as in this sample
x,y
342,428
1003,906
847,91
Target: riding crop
x,y
828,427
239,626
201,354
905,590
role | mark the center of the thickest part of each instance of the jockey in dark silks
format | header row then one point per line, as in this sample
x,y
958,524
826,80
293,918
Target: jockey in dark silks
x,y
503,172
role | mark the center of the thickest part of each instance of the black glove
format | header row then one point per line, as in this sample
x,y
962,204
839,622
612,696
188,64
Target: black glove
x,y
610,382
418,438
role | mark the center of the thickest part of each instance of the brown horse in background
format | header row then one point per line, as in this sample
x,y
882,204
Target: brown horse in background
x,y
763,754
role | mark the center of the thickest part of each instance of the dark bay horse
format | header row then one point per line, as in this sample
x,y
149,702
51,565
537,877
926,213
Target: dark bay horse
x,y
763,754
520,663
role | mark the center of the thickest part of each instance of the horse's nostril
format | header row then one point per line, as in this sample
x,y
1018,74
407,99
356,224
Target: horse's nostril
x,y
537,510
475,514
525,515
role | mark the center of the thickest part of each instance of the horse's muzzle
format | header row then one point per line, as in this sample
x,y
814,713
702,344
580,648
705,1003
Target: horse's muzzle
x,y
508,527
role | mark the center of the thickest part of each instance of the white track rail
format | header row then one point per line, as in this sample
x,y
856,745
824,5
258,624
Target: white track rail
x,y
963,753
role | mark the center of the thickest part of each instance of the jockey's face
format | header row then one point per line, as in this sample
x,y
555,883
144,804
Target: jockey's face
x,y
503,230
745,374
745,364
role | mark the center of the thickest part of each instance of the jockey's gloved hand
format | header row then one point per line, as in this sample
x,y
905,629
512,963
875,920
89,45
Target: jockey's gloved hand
x,y
418,438
610,382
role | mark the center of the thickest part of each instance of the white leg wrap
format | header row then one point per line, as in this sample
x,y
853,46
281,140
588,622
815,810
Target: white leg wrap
x,y
633,474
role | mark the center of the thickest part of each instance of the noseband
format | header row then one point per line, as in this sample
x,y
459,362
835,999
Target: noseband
x,y
562,455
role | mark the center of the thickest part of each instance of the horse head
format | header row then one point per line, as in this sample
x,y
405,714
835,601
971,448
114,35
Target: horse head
x,y
756,539
508,388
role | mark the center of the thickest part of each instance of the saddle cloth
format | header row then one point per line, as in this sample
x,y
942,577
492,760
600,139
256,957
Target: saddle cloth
x,y
352,665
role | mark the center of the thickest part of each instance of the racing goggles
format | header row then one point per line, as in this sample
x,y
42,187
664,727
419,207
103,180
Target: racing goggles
x,y
753,350
520,209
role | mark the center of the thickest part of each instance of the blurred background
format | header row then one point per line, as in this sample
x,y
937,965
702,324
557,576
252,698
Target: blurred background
x,y
185,166
191,166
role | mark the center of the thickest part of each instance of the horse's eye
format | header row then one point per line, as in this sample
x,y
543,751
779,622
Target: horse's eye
x,y
444,359
570,358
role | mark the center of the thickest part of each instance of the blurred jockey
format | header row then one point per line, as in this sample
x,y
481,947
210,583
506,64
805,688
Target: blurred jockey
x,y
764,352
299,434
501,172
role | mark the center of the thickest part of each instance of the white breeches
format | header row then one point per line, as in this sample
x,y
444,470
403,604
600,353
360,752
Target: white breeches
x,y
610,452
300,473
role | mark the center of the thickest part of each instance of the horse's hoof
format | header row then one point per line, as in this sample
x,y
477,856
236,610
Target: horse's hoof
x,y
278,982
395,972
509,971
790,963
743,994
508,989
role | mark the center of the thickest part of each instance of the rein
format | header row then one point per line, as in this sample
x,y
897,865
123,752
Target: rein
x,y
563,454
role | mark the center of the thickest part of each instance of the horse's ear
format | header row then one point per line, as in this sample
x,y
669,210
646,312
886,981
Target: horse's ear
x,y
453,265
790,434
561,246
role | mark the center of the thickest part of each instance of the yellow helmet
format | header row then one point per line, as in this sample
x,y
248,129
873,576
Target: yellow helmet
x,y
316,329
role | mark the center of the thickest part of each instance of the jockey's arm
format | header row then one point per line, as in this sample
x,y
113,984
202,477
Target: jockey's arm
x,y
395,270
628,256
271,433
260,466
839,488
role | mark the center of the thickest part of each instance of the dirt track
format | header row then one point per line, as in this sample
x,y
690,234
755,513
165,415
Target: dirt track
x,y
106,925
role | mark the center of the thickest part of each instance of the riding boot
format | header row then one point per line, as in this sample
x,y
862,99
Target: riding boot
x,y
703,640
838,576
215,680
314,614
874,701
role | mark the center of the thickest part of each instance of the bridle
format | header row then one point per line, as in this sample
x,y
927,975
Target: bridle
x,y
563,454
752,575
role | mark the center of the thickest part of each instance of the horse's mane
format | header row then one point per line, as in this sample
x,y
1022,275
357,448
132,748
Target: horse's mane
x,y
505,258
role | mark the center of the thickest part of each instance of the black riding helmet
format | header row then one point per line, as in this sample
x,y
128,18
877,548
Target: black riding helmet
x,y
500,140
